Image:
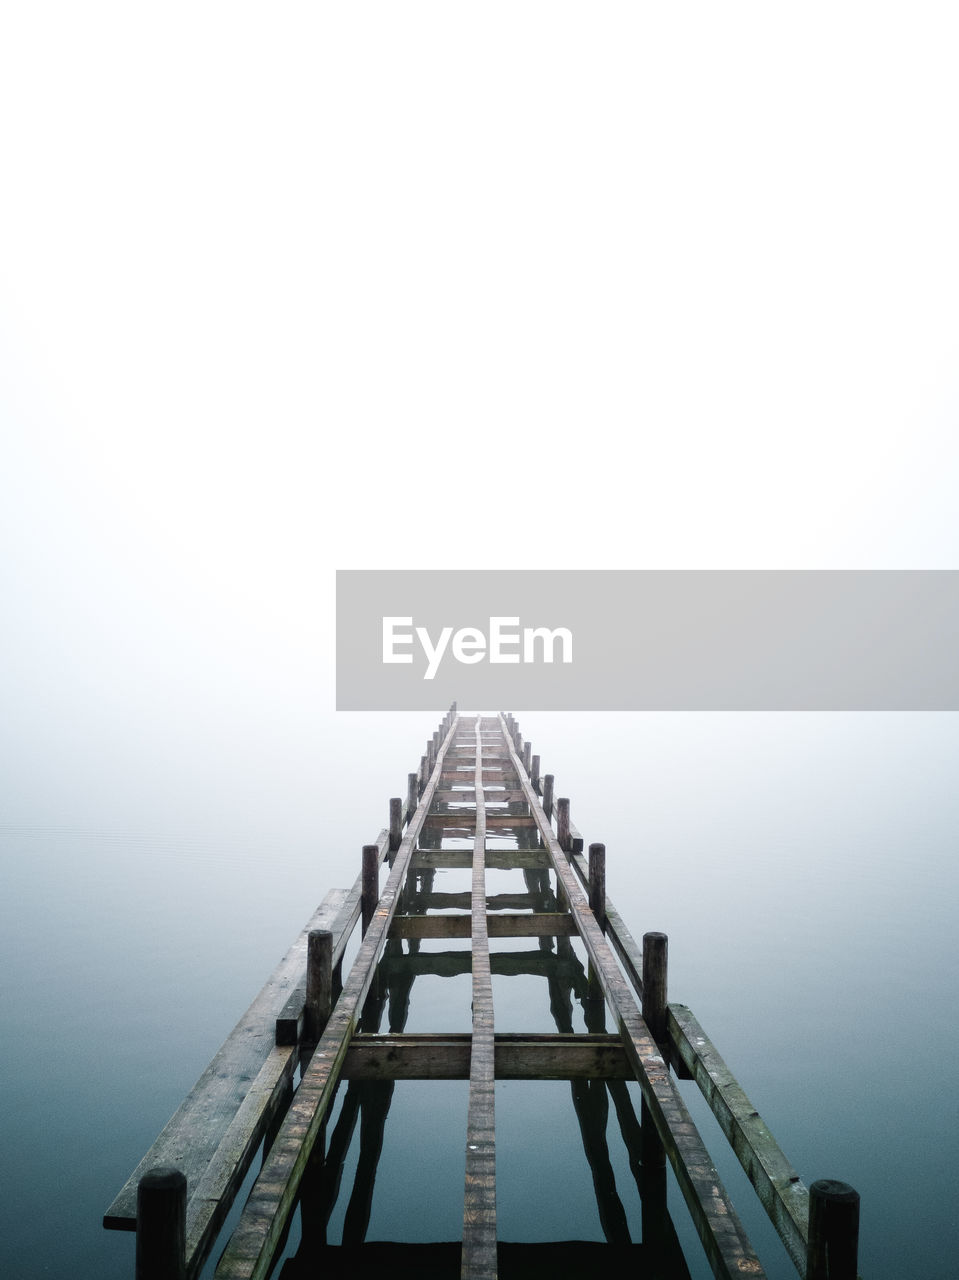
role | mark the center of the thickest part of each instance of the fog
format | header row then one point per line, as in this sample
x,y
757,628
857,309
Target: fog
x,y
413,286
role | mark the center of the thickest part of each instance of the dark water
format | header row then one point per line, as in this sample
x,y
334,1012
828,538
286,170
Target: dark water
x,y
803,866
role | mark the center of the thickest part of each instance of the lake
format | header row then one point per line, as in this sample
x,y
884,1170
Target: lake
x,y
804,867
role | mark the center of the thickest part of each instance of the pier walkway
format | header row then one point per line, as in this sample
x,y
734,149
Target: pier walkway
x,y
477,804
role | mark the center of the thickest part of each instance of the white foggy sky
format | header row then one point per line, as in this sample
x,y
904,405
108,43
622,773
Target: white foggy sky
x,y
315,286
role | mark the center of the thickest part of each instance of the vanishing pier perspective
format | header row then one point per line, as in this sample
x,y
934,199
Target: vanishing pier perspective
x,y
309,1072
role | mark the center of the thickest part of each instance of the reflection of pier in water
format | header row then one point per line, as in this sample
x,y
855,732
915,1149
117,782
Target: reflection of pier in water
x,y
477,808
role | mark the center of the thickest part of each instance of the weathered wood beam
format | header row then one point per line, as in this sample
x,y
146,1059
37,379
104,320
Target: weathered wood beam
x,y
727,1247
515,1056
493,795
541,924
509,964
494,902
462,821
497,859
478,1261
784,1197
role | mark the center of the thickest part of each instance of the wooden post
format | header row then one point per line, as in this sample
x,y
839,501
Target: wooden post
x,y
833,1231
527,755
319,983
548,781
597,883
370,893
396,824
424,774
654,1015
534,773
412,795
655,949
562,824
161,1225
430,757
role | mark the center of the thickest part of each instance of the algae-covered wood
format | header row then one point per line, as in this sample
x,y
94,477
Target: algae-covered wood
x,y
784,1197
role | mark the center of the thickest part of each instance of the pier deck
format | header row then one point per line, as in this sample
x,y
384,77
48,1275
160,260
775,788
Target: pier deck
x,y
477,803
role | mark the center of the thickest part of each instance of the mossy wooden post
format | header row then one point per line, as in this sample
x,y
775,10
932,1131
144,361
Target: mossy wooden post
x,y
548,781
534,773
833,1231
562,824
597,883
319,983
396,825
370,892
655,956
161,1225
412,795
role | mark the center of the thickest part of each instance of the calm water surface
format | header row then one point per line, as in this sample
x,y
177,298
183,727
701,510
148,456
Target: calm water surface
x,y
803,866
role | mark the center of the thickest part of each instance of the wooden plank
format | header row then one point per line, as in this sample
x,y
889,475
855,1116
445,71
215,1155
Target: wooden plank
x,y
509,964
493,795
252,1247
727,1247
495,901
461,820
478,1260
516,1057
498,859
784,1197
190,1138
541,924
212,1197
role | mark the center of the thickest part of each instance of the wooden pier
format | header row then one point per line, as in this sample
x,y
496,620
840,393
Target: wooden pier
x,y
477,802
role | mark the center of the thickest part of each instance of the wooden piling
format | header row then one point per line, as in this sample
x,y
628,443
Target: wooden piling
x,y
563,837
319,983
655,951
412,795
548,781
371,883
424,774
833,1231
396,824
161,1225
527,755
597,883
534,773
